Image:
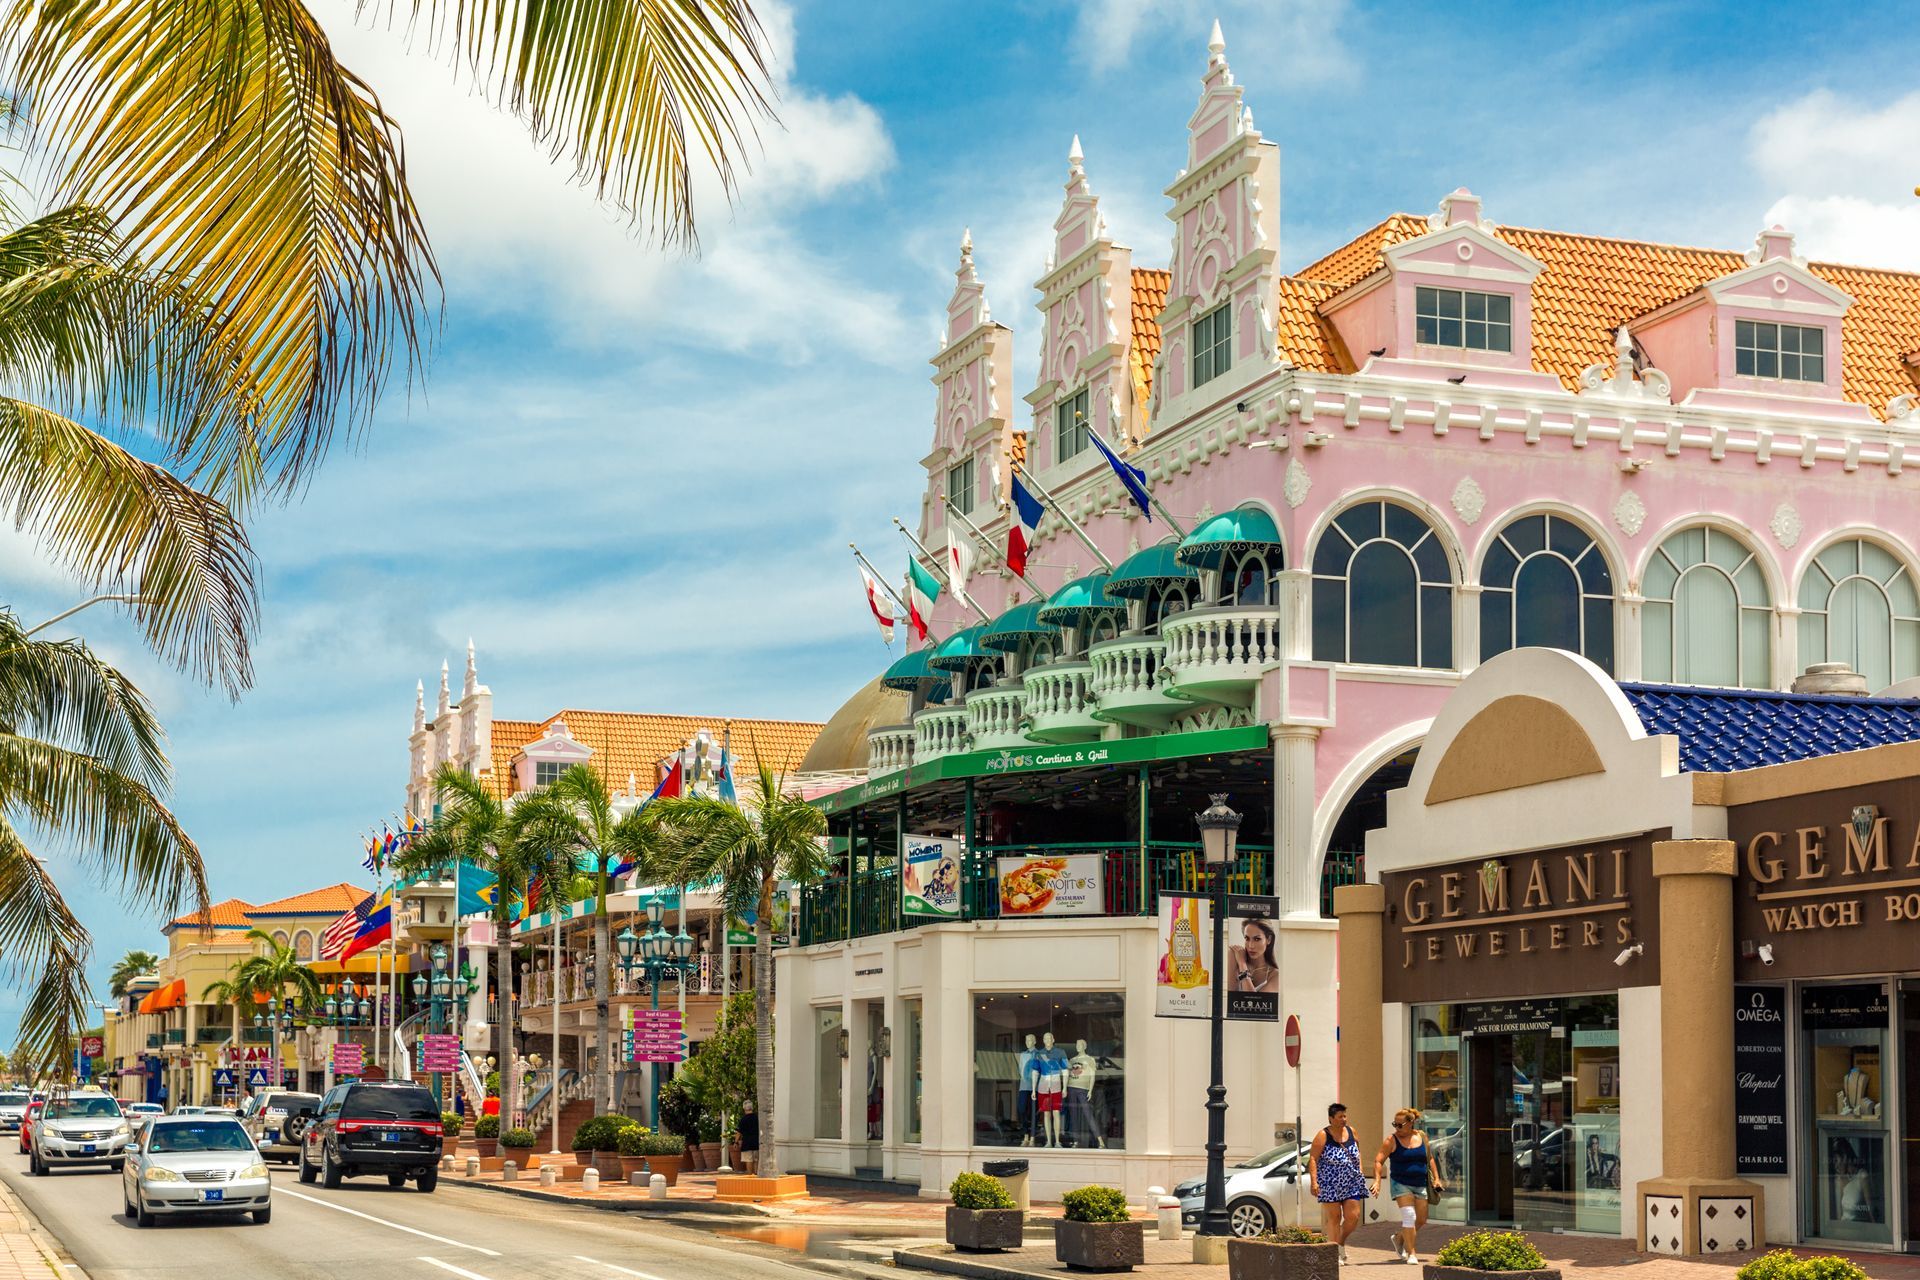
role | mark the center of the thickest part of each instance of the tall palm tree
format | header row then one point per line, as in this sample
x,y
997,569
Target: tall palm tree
x,y
272,971
475,827
575,815
134,964
81,763
750,851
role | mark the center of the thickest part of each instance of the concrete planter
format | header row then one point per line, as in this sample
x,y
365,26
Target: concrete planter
x,y
1100,1246
450,1145
667,1167
984,1230
710,1155
486,1146
1432,1271
522,1157
1270,1260
609,1165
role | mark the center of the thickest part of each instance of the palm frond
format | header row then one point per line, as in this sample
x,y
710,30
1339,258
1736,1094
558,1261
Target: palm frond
x,y
59,690
43,950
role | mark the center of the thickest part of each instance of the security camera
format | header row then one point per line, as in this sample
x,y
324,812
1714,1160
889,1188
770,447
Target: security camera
x,y
1766,953
1628,953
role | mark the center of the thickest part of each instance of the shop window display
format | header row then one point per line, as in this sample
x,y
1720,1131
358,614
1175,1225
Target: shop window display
x,y
1436,1092
1845,1047
915,1080
828,1027
1049,1070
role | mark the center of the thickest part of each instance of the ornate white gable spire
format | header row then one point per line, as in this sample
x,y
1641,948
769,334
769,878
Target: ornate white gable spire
x,y
973,418
1650,385
446,700
471,683
419,705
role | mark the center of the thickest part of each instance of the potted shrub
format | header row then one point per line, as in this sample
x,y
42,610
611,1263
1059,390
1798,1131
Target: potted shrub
x,y
449,1133
1290,1253
1480,1253
1098,1234
606,1148
680,1113
486,1135
982,1217
709,1142
1783,1264
517,1145
642,1150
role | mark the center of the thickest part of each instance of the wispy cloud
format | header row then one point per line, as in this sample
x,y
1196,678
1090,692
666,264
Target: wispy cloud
x,y
1842,171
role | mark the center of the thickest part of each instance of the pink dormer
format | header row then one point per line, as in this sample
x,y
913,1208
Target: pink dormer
x,y
972,428
1767,336
1457,296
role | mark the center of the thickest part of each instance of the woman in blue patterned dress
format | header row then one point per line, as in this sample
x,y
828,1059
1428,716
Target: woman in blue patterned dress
x,y
1333,1175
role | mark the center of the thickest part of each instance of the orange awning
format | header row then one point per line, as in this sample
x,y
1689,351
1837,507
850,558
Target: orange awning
x,y
170,996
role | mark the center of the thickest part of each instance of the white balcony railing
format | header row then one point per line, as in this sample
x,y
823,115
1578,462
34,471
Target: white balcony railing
x,y
1219,654
996,717
1129,682
939,731
889,749
1060,703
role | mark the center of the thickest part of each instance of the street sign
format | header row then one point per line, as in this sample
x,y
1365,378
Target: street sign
x,y
92,1046
1293,1040
439,1053
257,1078
658,1057
223,1078
348,1059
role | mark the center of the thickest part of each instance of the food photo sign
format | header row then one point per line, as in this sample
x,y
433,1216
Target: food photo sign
x,y
1070,885
930,877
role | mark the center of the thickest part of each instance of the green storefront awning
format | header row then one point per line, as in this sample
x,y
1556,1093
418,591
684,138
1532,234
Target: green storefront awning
x,y
1080,599
1147,569
907,673
961,650
1241,529
1019,623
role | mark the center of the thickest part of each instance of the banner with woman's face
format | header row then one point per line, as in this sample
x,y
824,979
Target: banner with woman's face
x,y
1250,971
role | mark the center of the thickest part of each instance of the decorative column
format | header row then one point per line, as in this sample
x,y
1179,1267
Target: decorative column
x,y
1698,1204
1362,911
1296,862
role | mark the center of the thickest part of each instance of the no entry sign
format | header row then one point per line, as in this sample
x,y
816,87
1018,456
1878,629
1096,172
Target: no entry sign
x,y
1293,1040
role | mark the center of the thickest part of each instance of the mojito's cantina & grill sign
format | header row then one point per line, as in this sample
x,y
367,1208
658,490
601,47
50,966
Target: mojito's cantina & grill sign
x,y
1544,923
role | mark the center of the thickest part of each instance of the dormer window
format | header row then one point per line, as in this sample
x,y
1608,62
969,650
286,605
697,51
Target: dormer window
x,y
1070,426
547,772
1213,343
960,487
1463,318
1795,352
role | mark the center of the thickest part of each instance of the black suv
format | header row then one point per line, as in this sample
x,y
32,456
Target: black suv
x,y
370,1127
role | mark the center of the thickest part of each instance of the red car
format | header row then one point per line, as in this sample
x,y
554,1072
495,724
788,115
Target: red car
x,y
26,1124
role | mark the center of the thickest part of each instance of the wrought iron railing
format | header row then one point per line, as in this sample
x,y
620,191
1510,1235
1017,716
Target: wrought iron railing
x,y
1343,866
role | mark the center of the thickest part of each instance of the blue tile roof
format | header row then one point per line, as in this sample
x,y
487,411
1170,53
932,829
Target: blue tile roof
x,y
1721,730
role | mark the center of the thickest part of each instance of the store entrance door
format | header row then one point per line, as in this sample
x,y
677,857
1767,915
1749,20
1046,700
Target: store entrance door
x,y
1522,1142
1490,1112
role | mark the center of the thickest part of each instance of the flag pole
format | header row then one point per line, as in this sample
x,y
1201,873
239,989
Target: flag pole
x,y
988,543
1152,497
941,566
1053,504
906,612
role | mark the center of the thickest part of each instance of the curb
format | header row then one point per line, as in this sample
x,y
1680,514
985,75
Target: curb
x,y
656,1208
58,1260
947,1264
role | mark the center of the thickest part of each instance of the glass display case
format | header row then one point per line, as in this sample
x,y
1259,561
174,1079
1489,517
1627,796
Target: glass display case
x,y
1844,1048
1049,1070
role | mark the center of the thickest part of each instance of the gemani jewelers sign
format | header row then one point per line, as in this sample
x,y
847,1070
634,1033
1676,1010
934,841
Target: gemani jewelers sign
x,y
1550,922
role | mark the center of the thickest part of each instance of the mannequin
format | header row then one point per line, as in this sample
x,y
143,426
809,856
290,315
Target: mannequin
x,y
1081,1069
1023,1100
1050,1087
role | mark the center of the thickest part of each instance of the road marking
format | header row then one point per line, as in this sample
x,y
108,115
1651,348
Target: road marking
x,y
397,1226
614,1266
448,1266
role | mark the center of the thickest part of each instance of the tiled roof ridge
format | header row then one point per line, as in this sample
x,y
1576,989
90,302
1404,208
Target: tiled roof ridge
x,y
672,715
1781,695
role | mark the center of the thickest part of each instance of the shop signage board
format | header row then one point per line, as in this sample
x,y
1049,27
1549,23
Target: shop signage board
x,y
92,1046
1523,924
740,928
1183,982
440,1053
348,1059
1066,885
930,877
1760,1080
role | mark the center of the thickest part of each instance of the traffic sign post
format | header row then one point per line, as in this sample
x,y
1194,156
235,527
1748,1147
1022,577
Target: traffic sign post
x,y
257,1078
223,1079
1292,1037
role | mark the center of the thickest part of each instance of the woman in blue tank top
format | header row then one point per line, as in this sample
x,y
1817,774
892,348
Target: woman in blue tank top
x,y
1333,1176
1412,1177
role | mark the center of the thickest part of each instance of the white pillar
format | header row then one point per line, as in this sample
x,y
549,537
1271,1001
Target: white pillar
x,y
1295,587
1629,659
1466,627
1296,862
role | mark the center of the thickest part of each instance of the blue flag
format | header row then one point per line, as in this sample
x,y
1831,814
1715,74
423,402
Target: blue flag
x,y
1132,478
727,794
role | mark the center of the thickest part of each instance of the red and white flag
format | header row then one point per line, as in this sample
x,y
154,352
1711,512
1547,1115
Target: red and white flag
x,y
881,606
959,565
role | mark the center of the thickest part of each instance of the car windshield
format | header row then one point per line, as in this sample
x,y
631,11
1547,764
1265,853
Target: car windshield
x,y
363,1103
13,1099
198,1135
80,1108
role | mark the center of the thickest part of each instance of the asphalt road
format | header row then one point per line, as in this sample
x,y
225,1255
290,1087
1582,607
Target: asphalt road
x,y
367,1230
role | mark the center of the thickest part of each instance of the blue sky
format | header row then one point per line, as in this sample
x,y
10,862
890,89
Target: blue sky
x,y
631,476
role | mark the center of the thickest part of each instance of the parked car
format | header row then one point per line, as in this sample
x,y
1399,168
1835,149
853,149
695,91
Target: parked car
x,y
81,1128
13,1108
374,1127
1259,1192
26,1124
277,1120
191,1165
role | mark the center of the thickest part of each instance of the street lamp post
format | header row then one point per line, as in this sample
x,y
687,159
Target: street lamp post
x,y
1219,834
661,954
437,991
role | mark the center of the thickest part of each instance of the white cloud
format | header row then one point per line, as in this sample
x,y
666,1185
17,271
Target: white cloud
x,y
1841,176
1300,37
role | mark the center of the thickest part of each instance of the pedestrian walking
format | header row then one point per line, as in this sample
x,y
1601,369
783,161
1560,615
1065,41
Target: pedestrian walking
x,y
749,1137
1411,1177
1333,1175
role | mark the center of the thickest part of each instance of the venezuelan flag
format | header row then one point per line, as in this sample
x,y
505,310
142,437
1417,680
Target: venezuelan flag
x,y
374,930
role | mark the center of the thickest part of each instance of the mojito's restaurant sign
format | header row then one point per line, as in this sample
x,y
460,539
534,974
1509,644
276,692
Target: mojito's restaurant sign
x,y
1828,881
1523,924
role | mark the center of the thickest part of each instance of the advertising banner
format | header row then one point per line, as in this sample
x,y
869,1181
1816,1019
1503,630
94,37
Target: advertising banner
x,y
348,1059
1071,885
740,928
930,877
1760,1080
1183,985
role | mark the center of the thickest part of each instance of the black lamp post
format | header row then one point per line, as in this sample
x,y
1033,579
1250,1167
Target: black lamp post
x,y
1219,835
660,955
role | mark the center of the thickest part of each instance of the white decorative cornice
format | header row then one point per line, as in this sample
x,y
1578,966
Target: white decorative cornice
x,y
1619,380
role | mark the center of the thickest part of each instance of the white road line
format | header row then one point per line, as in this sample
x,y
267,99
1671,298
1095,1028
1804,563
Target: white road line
x,y
613,1266
448,1266
397,1226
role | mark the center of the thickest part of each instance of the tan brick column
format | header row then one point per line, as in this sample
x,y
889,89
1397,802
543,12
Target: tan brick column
x,y
1698,1203
1361,909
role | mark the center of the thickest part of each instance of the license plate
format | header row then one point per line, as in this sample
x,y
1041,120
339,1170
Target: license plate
x,y
86,1148
393,1137
273,1135
213,1194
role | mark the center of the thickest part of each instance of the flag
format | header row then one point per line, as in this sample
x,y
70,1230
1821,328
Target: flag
x,y
669,781
670,786
1020,530
343,930
922,590
372,861
725,780
959,565
1132,478
881,606
375,929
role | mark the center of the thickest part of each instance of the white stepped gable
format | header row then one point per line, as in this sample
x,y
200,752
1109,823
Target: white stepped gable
x,y
972,415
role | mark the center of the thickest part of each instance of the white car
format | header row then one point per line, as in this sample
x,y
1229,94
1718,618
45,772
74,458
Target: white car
x,y
185,1165
81,1128
1260,1192
13,1105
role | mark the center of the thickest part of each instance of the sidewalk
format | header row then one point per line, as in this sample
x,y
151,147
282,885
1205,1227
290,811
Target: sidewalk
x,y
21,1255
693,1195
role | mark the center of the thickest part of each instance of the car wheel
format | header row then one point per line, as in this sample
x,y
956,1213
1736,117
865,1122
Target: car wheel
x,y
329,1171
117,1165
262,1217
430,1179
142,1216
1248,1217
396,1180
306,1170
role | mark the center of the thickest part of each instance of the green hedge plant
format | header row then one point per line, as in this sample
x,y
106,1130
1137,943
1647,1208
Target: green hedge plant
x,y
522,1138
1784,1264
487,1127
641,1141
602,1133
1096,1204
1291,1235
978,1191
1490,1251
450,1122
1776,1264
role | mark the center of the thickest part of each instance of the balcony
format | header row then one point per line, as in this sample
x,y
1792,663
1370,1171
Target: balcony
x,y
996,717
889,749
939,731
211,1035
176,1035
153,1040
1060,703
1218,655
1130,684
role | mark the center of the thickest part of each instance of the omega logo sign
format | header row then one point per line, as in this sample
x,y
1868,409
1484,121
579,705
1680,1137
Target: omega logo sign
x,y
1757,1010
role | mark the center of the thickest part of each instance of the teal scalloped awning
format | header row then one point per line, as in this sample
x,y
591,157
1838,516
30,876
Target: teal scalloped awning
x,y
907,672
1079,599
1241,529
1150,567
1005,632
960,650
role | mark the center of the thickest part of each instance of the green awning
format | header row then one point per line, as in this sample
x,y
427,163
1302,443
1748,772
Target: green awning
x,y
1080,599
907,673
1147,569
1241,529
961,650
1019,623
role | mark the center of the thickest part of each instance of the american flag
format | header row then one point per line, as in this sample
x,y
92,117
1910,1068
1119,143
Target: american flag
x,y
343,930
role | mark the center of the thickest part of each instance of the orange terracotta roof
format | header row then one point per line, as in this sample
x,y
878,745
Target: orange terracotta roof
x,y
330,901
1307,339
231,914
1017,448
508,737
1359,258
1149,300
629,743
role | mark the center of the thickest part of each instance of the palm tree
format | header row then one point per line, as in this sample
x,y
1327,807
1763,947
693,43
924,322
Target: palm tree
x,y
267,973
574,815
82,761
134,964
750,852
475,827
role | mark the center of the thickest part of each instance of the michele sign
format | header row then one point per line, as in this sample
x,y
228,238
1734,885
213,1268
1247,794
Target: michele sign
x,y
1544,923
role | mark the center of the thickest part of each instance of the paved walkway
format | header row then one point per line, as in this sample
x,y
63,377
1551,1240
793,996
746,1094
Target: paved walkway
x,y
21,1257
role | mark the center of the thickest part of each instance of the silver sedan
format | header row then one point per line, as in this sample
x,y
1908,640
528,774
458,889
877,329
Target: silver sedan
x,y
195,1164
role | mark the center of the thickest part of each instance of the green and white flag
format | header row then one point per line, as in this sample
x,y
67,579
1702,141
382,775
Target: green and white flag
x,y
922,590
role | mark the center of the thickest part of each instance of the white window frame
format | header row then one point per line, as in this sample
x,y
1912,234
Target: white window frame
x,y
1485,326
554,769
1072,427
1651,609
1421,584
1816,607
1512,587
1213,343
961,486
1758,343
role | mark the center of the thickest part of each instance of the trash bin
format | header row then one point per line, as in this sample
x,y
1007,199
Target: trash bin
x,y
1012,1175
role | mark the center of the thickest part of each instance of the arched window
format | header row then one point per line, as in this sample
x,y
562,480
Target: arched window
x,y
1382,590
303,945
1248,579
279,937
1707,614
1545,583
1166,599
1858,605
